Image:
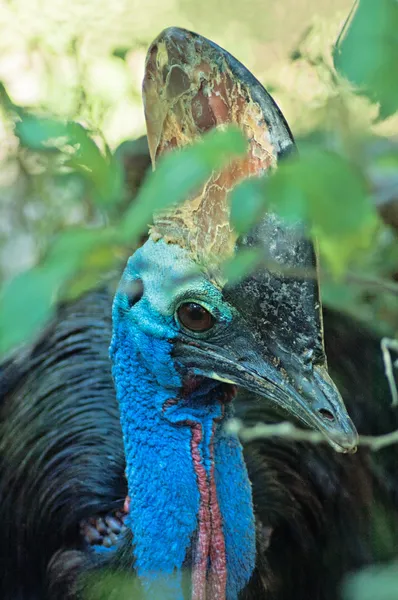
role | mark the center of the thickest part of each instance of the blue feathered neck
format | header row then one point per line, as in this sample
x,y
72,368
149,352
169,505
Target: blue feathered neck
x,y
191,504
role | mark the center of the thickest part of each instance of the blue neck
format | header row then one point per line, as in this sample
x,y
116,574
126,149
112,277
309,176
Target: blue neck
x,y
187,479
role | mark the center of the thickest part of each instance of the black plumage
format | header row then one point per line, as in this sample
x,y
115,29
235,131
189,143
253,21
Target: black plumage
x,y
62,462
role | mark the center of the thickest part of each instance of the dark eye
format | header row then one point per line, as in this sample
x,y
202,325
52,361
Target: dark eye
x,y
194,317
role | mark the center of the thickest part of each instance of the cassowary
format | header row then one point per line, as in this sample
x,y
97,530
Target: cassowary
x,y
127,484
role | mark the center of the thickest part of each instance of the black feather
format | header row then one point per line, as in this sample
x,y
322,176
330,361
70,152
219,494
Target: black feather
x,y
61,461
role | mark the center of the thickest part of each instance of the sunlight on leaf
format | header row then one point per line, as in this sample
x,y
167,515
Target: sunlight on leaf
x,y
79,150
367,52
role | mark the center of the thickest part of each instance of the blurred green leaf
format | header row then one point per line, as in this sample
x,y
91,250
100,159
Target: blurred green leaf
x,y
28,300
325,190
375,583
247,205
179,174
240,265
108,585
80,153
25,306
367,52
7,103
121,52
42,134
112,586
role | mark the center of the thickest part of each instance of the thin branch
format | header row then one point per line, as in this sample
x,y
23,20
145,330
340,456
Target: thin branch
x,y
288,431
372,282
388,344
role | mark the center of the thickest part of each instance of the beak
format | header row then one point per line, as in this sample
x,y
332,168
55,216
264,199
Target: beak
x,y
299,389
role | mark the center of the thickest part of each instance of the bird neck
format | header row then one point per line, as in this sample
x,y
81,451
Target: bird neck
x,y
191,503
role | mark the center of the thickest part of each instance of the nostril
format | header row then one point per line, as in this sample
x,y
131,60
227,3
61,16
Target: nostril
x,y
326,414
134,291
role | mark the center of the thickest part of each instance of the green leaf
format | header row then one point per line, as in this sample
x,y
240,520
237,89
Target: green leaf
x,y
81,154
25,306
28,300
8,104
108,585
367,52
178,175
42,134
247,205
78,256
240,265
121,52
379,582
325,190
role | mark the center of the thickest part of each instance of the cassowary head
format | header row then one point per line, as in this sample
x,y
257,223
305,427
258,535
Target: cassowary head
x,y
184,338
266,333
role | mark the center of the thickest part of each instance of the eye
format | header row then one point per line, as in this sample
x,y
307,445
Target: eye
x,y
194,317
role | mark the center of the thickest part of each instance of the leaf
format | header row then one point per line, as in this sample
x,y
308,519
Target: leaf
x,y
179,174
7,103
118,585
80,151
104,172
42,134
121,52
367,52
379,582
325,190
240,265
247,205
25,306
28,300
98,263
78,256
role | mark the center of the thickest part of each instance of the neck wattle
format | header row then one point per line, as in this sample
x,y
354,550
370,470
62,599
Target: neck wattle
x,y
191,504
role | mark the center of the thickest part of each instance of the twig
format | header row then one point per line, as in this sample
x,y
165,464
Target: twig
x,y
288,431
388,344
372,282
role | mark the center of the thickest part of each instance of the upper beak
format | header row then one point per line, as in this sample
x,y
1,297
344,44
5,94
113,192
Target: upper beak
x,y
305,392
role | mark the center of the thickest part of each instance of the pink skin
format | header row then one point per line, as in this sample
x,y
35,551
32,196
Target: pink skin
x,y
126,505
211,543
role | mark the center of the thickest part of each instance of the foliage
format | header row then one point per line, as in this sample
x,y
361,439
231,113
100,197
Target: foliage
x,y
74,251
322,188
367,52
376,582
114,585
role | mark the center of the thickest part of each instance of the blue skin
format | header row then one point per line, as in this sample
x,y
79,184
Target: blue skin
x,y
161,479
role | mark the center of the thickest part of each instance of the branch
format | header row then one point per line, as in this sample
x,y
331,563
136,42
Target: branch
x,y
370,283
288,431
387,344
